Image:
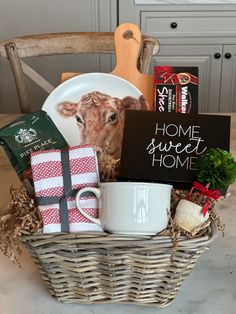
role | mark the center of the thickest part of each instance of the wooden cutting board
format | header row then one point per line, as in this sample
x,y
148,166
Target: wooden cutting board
x,y
127,39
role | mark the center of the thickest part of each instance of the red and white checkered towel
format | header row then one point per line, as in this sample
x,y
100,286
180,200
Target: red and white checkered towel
x,y
58,175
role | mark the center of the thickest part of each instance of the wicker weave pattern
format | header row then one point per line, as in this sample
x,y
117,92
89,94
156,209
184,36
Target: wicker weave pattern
x,y
105,268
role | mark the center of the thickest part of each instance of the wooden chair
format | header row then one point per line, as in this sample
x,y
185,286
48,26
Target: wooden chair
x,y
16,49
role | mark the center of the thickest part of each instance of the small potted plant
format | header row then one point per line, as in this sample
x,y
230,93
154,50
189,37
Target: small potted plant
x,y
216,169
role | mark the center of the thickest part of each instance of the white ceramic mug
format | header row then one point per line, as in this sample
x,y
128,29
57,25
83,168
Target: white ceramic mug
x,y
130,207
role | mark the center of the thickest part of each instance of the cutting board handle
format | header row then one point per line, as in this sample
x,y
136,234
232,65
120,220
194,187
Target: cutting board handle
x,y
127,44
128,40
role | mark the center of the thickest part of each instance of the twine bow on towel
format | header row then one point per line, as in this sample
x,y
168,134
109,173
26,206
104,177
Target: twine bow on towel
x,y
210,194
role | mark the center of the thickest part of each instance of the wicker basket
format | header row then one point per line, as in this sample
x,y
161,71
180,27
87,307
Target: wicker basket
x,y
108,268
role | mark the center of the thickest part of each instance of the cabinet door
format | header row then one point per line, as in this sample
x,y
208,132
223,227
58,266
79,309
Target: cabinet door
x,y
228,84
202,56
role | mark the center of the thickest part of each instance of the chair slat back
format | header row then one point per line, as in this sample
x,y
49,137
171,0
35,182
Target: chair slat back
x,y
60,44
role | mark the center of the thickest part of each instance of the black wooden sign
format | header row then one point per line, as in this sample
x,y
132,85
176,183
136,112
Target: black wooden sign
x,y
164,147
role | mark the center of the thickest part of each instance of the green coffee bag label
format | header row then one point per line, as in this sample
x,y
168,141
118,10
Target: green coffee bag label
x,y
27,134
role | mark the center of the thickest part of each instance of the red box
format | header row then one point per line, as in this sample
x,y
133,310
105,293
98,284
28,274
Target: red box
x,y
176,89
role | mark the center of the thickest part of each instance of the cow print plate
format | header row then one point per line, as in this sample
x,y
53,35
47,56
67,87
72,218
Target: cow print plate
x,y
89,108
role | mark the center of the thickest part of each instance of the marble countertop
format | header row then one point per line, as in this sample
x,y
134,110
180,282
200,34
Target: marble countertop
x,y
210,288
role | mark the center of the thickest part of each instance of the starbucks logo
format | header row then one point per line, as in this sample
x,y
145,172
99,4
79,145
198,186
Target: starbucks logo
x,y
26,136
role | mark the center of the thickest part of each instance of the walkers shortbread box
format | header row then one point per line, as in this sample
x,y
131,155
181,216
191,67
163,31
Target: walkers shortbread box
x,y
176,89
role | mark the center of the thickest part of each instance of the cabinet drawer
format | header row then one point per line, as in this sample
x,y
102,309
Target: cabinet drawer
x,y
199,24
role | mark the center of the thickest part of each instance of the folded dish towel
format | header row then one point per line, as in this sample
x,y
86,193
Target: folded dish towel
x,y
58,175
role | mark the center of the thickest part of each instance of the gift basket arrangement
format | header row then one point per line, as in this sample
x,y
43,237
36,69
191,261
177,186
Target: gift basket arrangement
x,y
108,215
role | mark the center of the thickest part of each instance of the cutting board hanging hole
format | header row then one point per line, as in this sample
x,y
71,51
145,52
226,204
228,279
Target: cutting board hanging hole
x,y
128,34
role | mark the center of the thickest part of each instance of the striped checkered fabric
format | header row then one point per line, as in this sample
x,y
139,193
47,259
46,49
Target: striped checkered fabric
x,y
49,182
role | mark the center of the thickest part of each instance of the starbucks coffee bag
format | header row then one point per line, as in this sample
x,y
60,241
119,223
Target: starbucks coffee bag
x,y
27,134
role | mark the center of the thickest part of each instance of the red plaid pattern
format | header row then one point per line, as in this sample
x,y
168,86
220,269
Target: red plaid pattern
x,y
48,182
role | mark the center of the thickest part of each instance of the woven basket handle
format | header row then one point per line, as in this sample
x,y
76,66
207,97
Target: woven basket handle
x,y
77,200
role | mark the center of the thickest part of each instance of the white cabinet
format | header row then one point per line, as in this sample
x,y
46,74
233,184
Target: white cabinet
x,y
228,79
187,23
193,35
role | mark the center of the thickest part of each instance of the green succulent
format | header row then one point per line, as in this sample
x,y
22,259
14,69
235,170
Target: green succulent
x,y
216,167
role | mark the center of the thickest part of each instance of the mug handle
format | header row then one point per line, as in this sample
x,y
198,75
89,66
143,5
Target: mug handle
x,y
97,193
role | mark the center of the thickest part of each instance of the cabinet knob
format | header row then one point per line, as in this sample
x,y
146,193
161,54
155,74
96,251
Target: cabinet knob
x,y
217,55
173,25
228,55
